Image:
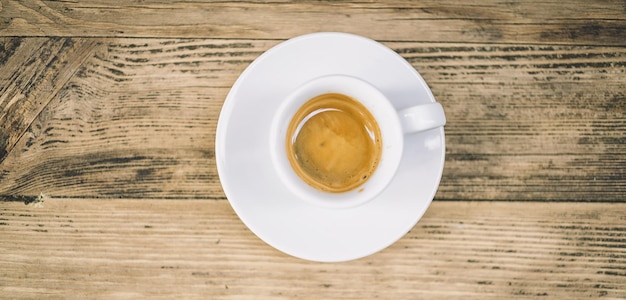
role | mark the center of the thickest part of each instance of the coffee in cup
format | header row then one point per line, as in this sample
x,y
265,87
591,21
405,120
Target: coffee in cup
x,y
333,143
336,141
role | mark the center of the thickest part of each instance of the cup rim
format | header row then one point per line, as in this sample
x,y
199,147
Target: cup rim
x,y
391,133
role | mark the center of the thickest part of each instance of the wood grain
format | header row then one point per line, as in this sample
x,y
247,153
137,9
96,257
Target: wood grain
x,y
530,122
543,22
120,99
189,249
33,71
138,120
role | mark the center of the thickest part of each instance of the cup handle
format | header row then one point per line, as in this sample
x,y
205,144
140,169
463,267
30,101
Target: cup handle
x,y
422,117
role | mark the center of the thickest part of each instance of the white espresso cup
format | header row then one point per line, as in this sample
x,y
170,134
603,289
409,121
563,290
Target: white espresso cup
x,y
393,124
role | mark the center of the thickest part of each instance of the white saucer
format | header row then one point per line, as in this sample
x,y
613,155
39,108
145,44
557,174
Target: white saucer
x,y
252,184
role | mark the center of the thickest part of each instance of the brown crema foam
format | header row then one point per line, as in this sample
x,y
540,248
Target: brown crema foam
x,y
334,143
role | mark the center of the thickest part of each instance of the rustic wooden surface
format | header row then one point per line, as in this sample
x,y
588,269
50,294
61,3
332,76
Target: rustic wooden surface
x,y
118,101
136,117
199,249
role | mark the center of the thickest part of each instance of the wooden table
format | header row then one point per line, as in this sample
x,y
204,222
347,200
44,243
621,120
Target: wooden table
x,y
109,108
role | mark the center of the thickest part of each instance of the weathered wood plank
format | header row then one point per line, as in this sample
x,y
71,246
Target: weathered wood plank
x,y
530,122
32,72
571,22
200,249
138,120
